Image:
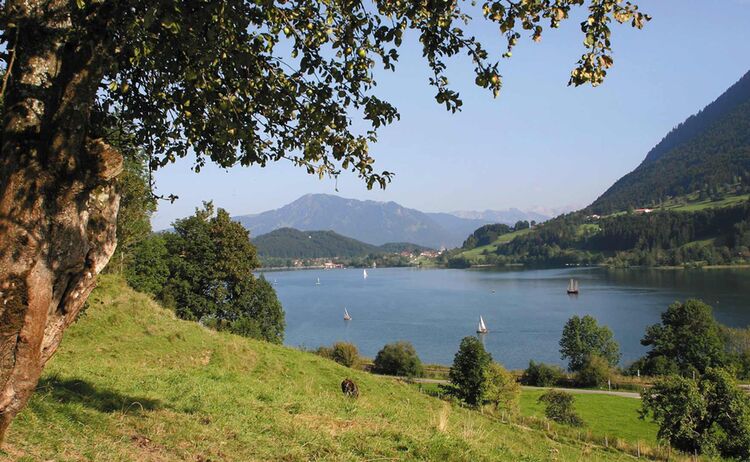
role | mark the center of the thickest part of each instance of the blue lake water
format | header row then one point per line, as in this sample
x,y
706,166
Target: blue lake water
x,y
435,308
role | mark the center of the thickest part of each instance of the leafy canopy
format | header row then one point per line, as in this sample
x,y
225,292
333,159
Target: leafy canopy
x,y
583,337
710,415
204,269
688,336
246,82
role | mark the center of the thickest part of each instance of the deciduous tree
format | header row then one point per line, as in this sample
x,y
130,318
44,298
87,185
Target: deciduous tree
x,y
687,336
583,337
467,374
710,415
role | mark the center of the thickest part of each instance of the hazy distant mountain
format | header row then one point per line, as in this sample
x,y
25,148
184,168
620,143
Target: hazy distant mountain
x,y
368,221
372,222
455,225
509,216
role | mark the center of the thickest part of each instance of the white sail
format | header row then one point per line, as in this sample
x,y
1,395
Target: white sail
x,y
481,327
317,283
346,315
364,273
570,286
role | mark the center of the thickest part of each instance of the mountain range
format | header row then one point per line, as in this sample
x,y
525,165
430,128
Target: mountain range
x,y
377,223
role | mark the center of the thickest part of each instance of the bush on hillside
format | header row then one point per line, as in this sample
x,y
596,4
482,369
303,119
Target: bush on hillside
x,y
399,358
542,375
502,390
594,373
558,406
344,353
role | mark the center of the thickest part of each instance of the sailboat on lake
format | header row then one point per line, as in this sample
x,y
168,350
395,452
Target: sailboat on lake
x,y
573,287
317,283
364,274
346,315
481,327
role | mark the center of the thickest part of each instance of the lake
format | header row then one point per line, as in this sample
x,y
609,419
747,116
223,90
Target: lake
x,y
525,310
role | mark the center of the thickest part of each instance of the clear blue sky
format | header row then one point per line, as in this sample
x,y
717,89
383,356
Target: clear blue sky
x,y
540,143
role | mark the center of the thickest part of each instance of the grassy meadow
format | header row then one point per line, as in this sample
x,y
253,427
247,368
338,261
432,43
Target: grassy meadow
x,y
503,239
133,383
603,415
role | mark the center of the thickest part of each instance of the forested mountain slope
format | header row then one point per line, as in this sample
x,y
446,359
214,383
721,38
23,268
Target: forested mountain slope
x,y
708,151
292,243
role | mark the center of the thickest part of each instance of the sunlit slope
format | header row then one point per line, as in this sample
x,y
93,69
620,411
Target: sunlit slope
x,y
131,382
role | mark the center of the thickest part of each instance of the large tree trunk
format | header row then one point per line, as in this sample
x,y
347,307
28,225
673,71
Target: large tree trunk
x,y
58,197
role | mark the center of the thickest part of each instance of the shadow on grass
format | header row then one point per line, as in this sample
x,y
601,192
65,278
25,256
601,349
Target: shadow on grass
x,y
84,393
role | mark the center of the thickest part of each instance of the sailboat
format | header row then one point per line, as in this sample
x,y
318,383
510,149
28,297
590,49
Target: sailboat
x,y
573,286
317,283
364,274
346,315
481,328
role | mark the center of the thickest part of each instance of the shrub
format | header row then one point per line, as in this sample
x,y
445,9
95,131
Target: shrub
x,y
542,375
398,358
558,406
467,375
594,373
325,352
344,353
501,389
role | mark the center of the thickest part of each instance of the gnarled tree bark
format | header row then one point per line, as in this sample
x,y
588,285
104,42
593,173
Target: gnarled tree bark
x,y
58,193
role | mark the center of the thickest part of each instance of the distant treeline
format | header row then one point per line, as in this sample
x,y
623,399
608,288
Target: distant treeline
x,y
290,243
710,236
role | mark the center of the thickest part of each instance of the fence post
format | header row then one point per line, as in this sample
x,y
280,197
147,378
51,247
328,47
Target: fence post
x,y
638,446
606,441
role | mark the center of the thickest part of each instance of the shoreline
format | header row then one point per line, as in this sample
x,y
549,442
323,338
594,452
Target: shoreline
x,y
513,266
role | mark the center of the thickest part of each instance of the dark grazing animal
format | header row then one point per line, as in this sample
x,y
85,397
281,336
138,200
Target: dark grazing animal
x,y
350,388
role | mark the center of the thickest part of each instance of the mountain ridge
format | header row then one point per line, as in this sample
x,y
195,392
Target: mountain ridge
x,y
710,150
369,221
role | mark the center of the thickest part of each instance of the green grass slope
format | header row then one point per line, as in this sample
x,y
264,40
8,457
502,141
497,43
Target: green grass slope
x,y
603,415
476,252
131,382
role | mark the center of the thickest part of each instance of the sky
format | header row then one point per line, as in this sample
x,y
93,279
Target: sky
x,y
541,145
